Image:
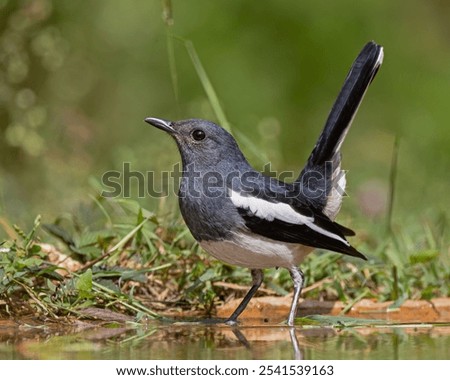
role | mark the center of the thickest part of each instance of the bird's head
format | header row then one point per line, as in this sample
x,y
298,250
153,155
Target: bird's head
x,y
200,141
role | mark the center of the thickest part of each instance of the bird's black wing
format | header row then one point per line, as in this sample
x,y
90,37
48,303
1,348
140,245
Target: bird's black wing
x,y
299,234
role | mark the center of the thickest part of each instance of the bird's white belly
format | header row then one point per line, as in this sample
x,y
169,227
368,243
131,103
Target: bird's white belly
x,y
256,252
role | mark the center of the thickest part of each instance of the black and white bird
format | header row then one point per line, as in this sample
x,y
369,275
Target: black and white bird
x,y
245,218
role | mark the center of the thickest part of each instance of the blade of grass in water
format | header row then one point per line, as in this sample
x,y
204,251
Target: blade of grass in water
x,y
338,321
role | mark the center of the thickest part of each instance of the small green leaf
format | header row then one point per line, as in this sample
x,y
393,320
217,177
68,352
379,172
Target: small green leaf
x,y
35,248
84,284
28,263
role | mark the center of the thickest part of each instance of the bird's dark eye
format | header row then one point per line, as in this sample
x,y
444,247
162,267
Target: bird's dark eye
x,y
198,135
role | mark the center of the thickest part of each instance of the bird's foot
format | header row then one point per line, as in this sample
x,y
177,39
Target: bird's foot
x,y
231,322
290,322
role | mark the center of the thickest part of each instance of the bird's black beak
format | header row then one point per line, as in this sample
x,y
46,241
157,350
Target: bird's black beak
x,y
165,125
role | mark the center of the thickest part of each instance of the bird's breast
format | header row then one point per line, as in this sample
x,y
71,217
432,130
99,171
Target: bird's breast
x,y
256,252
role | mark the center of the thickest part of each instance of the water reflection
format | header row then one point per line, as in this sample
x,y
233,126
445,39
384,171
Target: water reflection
x,y
200,341
295,346
296,352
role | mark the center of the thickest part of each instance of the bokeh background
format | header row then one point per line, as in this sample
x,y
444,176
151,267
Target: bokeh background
x,y
77,79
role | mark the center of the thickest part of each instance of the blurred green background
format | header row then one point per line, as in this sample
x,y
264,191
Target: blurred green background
x,y
77,79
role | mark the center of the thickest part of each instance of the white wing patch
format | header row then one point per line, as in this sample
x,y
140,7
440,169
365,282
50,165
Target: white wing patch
x,y
269,211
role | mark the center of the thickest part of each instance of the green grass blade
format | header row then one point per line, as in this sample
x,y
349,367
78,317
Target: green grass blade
x,y
169,21
207,86
392,181
102,209
127,237
339,321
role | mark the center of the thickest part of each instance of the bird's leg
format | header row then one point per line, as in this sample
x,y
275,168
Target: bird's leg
x,y
299,278
257,278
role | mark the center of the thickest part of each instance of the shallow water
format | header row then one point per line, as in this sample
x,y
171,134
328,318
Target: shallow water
x,y
200,341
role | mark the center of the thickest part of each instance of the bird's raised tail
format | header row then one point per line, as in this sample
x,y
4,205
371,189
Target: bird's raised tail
x,y
322,180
